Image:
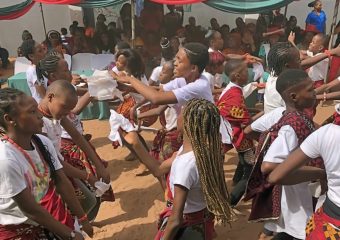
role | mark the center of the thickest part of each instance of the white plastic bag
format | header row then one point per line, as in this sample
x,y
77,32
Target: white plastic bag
x,y
102,86
119,121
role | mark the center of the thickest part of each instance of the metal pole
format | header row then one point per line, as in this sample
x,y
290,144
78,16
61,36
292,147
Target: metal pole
x,y
330,45
43,18
133,24
285,15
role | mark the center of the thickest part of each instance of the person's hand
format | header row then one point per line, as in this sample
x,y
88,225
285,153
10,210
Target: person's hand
x,y
335,51
252,59
79,236
103,173
133,114
259,85
121,77
75,79
92,180
87,227
291,37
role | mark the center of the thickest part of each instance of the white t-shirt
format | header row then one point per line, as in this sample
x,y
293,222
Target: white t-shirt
x,y
16,174
75,119
53,129
272,99
210,78
266,121
156,73
170,118
319,71
32,81
324,143
296,200
184,172
184,91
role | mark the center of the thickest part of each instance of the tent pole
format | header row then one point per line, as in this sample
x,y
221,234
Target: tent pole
x,y
285,15
133,24
330,45
43,18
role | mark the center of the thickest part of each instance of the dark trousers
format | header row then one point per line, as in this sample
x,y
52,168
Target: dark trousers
x,y
240,179
284,236
4,57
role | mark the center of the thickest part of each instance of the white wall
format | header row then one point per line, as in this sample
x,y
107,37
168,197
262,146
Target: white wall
x,y
56,17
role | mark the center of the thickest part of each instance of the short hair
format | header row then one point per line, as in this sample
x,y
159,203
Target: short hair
x,y
290,78
198,55
63,31
27,48
324,38
232,65
61,88
123,45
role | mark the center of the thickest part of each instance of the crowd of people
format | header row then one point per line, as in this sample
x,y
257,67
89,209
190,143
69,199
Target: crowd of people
x,y
53,181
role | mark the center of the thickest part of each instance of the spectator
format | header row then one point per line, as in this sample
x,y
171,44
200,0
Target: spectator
x,y
105,44
172,21
316,20
4,57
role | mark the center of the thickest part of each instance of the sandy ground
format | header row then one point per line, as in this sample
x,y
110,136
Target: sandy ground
x,y
139,199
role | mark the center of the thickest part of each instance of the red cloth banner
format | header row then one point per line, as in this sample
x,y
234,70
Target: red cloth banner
x,y
17,14
59,1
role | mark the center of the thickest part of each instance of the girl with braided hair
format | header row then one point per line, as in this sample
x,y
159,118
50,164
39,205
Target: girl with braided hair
x,y
31,175
34,52
282,56
198,191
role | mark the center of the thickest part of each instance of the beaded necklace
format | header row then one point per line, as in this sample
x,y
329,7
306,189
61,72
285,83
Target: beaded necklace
x,y
28,157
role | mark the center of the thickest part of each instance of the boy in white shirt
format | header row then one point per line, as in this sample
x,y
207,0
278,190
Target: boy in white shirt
x,y
287,208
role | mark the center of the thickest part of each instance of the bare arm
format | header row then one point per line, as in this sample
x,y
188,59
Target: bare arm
x,y
153,112
329,96
149,93
79,140
176,217
251,134
83,101
295,160
66,190
37,213
41,90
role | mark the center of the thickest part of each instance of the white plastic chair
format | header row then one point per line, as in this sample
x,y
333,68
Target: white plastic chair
x,y
100,61
81,61
68,59
21,64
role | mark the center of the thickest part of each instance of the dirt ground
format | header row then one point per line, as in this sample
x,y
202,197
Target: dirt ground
x,y
139,199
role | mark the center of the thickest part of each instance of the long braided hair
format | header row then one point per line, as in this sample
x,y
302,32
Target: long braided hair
x,y
202,127
46,66
278,56
8,105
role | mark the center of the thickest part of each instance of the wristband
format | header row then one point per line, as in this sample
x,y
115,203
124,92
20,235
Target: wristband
x,y
83,218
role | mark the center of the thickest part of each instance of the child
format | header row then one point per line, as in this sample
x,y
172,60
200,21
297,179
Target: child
x,y
214,69
58,102
30,175
168,140
231,105
197,181
318,72
325,222
34,52
285,209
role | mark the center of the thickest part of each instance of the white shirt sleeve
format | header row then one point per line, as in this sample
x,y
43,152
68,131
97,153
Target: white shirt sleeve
x,y
155,74
266,121
282,146
12,179
312,144
49,145
170,85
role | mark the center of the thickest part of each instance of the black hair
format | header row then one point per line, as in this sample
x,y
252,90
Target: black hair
x,y
8,100
123,45
167,51
324,38
279,55
198,55
290,78
231,66
211,34
135,63
46,66
26,35
63,31
27,48
312,4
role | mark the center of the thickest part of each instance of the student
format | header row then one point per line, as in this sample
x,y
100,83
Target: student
x,y
231,105
213,71
190,61
325,222
30,175
318,72
197,181
284,56
287,208
58,102
168,140
34,52
215,41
